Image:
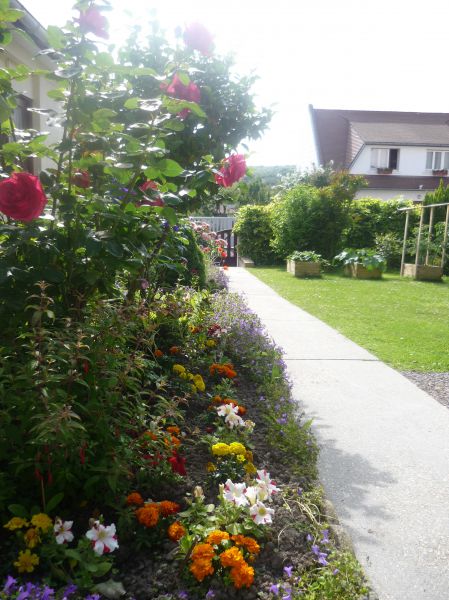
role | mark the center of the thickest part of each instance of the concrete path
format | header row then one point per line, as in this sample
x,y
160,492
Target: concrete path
x,y
384,458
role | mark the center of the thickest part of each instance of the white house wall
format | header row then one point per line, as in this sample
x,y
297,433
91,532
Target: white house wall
x,y
414,195
23,51
412,161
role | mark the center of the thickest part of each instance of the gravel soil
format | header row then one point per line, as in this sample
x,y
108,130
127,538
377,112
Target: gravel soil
x,y
435,384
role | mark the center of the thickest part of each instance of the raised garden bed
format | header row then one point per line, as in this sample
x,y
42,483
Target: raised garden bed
x,y
423,272
358,271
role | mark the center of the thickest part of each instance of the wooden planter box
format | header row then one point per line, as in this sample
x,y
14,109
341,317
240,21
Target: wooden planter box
x,y
423,272
358,271
303,269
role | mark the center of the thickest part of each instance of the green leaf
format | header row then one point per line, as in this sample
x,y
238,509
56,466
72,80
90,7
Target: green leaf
x,y
55,37
5,38
185,79
11,15
170,168
132,103
71,553
54,501
18,510
5,110
174,125
169,214
102,569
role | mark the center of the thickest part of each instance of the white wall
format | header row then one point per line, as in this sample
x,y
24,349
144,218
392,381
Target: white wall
x,y
23,51
412,161
415,195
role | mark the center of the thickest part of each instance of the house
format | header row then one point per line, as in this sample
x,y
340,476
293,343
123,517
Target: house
x,y
28,39
401,154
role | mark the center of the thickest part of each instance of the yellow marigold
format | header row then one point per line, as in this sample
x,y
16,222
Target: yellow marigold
x,y
176,531
202,551
237,448
178,369
199,383
201,568
242,575
167,507
220,449
211,343
134,499
249,456
250,468
174,429
16,523
241,457
217,536
148,515
42,521
32,538
232,557
193,389
210,467
26,562
184,375
247,542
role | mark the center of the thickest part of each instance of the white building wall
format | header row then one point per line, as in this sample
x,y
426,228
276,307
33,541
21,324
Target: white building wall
x,y
412,161
23,51
414,195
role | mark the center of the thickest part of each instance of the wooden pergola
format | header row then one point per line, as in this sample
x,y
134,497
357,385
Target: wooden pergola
x,y
419,270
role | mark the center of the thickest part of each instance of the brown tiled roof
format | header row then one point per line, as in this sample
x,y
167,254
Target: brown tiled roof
x,y
395,182
332,129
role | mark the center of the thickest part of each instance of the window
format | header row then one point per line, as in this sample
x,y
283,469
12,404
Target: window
x,y
436,160
385,158
22,117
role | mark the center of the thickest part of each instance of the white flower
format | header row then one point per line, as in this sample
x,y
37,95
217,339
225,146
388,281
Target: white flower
x,y
267,485
62,531
252,493
103,538
224,410
235,492
260,513
233,420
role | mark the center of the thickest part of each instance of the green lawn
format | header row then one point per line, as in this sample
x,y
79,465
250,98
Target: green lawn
x,y
403,322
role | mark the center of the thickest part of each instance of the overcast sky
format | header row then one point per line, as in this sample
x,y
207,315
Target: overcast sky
x,y
354,54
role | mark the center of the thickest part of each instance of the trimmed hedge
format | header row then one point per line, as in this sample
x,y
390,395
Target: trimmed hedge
x,y
253,227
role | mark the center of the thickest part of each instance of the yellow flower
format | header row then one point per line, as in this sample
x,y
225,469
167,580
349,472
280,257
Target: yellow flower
x,y
237,448
199,383
42,521
210,467
220,449
241,457
178,369
211,343
184,375
32,538
250,468
249,456
26,562
16,523
193,388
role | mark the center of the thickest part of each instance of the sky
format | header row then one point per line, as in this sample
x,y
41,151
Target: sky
x,y
345,54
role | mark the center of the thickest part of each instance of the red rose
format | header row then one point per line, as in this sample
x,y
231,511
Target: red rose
x,y
148,185
197,37
22,197
233,170
81,179
93,21
177,89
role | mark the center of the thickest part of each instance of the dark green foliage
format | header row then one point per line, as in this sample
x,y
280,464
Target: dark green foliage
x,y
253,227
195,268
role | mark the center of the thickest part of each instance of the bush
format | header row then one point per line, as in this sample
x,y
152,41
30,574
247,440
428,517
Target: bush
x,y
253,227
389,246
369,217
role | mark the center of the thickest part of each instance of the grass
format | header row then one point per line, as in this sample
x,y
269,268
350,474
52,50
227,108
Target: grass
x,y
403,322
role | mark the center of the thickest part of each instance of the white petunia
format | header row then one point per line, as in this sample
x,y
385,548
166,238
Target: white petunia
x,y
252,493
224,410
62,531
233,420
103,538
261,514
235,493
267,485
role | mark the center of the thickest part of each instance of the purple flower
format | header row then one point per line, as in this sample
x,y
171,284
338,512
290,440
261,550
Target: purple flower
x,y
315,549
210,594
92,597
22,594
309,537
288,570
48,593
325,534
69,590
274,588
10,584
288,595
335,571
300,493
183,595
322,559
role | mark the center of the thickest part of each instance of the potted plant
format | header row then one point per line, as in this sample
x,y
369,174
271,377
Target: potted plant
x,y
304,264
362,263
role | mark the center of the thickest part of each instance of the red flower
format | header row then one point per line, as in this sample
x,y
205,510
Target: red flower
x,y
81,179
197,37
22,197
177,89
148,185
178,464
233,170
93,21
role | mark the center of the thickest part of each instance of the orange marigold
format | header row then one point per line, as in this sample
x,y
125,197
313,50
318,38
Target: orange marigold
x,y
201,568
231,557
158,353
174,350
202,551
217,536
247,542
174,429
242,575
176,531
148,515
134,499
166,507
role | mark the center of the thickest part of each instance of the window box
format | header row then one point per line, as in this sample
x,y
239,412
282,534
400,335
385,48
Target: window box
x,y
384,171
439,172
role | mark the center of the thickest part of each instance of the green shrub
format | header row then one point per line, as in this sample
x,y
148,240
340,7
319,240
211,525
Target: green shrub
x,y
253,227
389,246
370,259
306,256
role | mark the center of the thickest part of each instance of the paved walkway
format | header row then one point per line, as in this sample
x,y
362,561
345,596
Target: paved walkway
x,y
384,458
